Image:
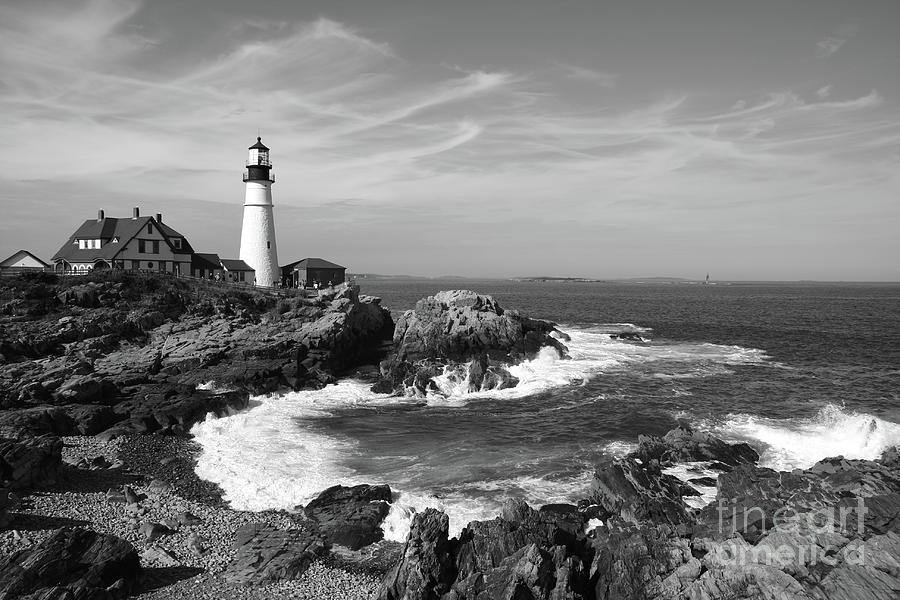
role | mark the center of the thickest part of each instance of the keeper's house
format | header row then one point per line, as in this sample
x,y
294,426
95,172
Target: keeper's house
x,y
139,244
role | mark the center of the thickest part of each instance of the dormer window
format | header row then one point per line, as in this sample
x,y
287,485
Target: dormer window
x,y
176,243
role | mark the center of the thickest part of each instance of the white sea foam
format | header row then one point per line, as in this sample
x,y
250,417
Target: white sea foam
x,y
592,352
800,443
694,470
480,500
263,458
618,448
272,456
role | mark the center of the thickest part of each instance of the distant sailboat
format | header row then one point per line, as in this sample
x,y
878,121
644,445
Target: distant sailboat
x,y
707,279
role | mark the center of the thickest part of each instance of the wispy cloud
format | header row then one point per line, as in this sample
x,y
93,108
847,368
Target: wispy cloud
x,y
832,43
602,78
429,154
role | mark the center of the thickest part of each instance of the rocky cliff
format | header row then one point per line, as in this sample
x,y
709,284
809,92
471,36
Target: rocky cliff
x,y
129,353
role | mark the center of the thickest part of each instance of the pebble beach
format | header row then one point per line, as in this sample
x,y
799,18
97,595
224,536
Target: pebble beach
x,y
189,558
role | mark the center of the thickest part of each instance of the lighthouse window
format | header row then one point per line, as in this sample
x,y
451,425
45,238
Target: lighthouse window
x,y
268,244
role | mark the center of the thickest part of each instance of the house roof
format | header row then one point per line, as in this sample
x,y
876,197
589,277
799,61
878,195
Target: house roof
x,y
106,230
314,263
206,260
258,145
233,264
18,255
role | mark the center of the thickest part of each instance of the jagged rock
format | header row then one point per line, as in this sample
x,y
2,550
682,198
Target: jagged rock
x,y
462,330
35,421
685,444
351,516
425,570
264,554
483,545
28,462
76,563
527,573
639,493
173,408
635,562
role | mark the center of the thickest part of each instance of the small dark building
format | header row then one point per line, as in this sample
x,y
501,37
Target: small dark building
x,y
206,265
238,270
309,271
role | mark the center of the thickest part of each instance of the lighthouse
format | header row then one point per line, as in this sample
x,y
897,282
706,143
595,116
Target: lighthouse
x,y
258,247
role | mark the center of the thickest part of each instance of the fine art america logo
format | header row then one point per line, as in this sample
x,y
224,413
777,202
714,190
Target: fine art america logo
x,y
790,538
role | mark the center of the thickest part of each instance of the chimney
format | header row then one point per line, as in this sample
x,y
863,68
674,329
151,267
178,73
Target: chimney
x,y
159,217
100,215
136,213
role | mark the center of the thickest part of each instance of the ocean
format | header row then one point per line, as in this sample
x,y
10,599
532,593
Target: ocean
x,y
801,371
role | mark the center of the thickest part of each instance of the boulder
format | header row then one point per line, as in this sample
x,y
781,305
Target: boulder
x,y
484,545
639,493
684,444
29,462
425,570
264,554
458,325
76,563
351,516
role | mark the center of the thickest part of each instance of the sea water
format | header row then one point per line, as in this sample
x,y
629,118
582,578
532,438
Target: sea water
x,y
800,371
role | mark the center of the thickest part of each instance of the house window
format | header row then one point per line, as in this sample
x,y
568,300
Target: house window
x,y
142,246
162,266
150,265
135,265
150,228
155,246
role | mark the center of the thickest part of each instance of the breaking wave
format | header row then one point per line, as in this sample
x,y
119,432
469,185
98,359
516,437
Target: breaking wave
x,y
800,443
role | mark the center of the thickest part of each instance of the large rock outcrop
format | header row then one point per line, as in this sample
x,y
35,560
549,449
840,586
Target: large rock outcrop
x,y
127,353
462,328
264,554
71,563
351,516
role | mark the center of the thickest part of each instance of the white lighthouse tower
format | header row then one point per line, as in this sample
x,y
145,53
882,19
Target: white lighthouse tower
x,y
258,247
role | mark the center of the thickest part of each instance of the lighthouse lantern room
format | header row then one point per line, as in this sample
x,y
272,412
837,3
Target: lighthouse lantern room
x,y
258,248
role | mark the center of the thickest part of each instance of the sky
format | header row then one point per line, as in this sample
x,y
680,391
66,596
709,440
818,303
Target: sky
x,y
749,140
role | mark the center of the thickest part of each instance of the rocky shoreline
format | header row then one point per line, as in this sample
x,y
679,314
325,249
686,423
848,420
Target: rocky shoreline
x,y
100,382
190,558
